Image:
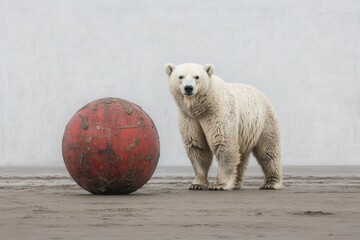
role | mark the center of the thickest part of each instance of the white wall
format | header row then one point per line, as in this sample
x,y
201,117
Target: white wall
x,y
56,56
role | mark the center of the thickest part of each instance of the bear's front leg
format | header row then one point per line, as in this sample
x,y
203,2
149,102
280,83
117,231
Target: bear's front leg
x,y
222,135
228,160
197,150
201,160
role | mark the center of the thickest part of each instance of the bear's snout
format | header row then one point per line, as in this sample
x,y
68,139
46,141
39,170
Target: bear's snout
x,y
188,90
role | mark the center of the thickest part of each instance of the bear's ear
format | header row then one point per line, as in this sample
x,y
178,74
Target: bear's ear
x,y
169,68
209,68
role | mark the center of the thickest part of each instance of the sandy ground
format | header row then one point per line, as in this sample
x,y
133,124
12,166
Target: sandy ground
x,y
317,203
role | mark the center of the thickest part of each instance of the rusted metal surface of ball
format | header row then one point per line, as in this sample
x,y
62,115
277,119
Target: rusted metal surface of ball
x,y
111,146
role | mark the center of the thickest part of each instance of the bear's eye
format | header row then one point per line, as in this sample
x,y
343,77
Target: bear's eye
x,y
181,77
196,77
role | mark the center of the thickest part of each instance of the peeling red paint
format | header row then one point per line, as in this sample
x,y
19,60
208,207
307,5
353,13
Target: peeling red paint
x,y
111,146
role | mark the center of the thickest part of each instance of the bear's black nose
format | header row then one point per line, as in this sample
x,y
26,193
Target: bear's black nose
x,y
188,89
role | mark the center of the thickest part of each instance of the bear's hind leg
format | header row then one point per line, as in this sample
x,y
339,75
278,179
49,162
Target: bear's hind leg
x,y
244,159
271,167
267,153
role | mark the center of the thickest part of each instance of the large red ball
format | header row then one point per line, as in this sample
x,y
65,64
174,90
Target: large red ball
x,y
111,146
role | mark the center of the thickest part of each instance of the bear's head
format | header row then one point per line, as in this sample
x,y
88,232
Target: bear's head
x,y
189,79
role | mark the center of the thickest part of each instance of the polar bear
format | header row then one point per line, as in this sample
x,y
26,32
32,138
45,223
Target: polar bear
x,y
228,120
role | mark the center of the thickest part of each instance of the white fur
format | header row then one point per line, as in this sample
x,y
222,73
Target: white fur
x,y
228,120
